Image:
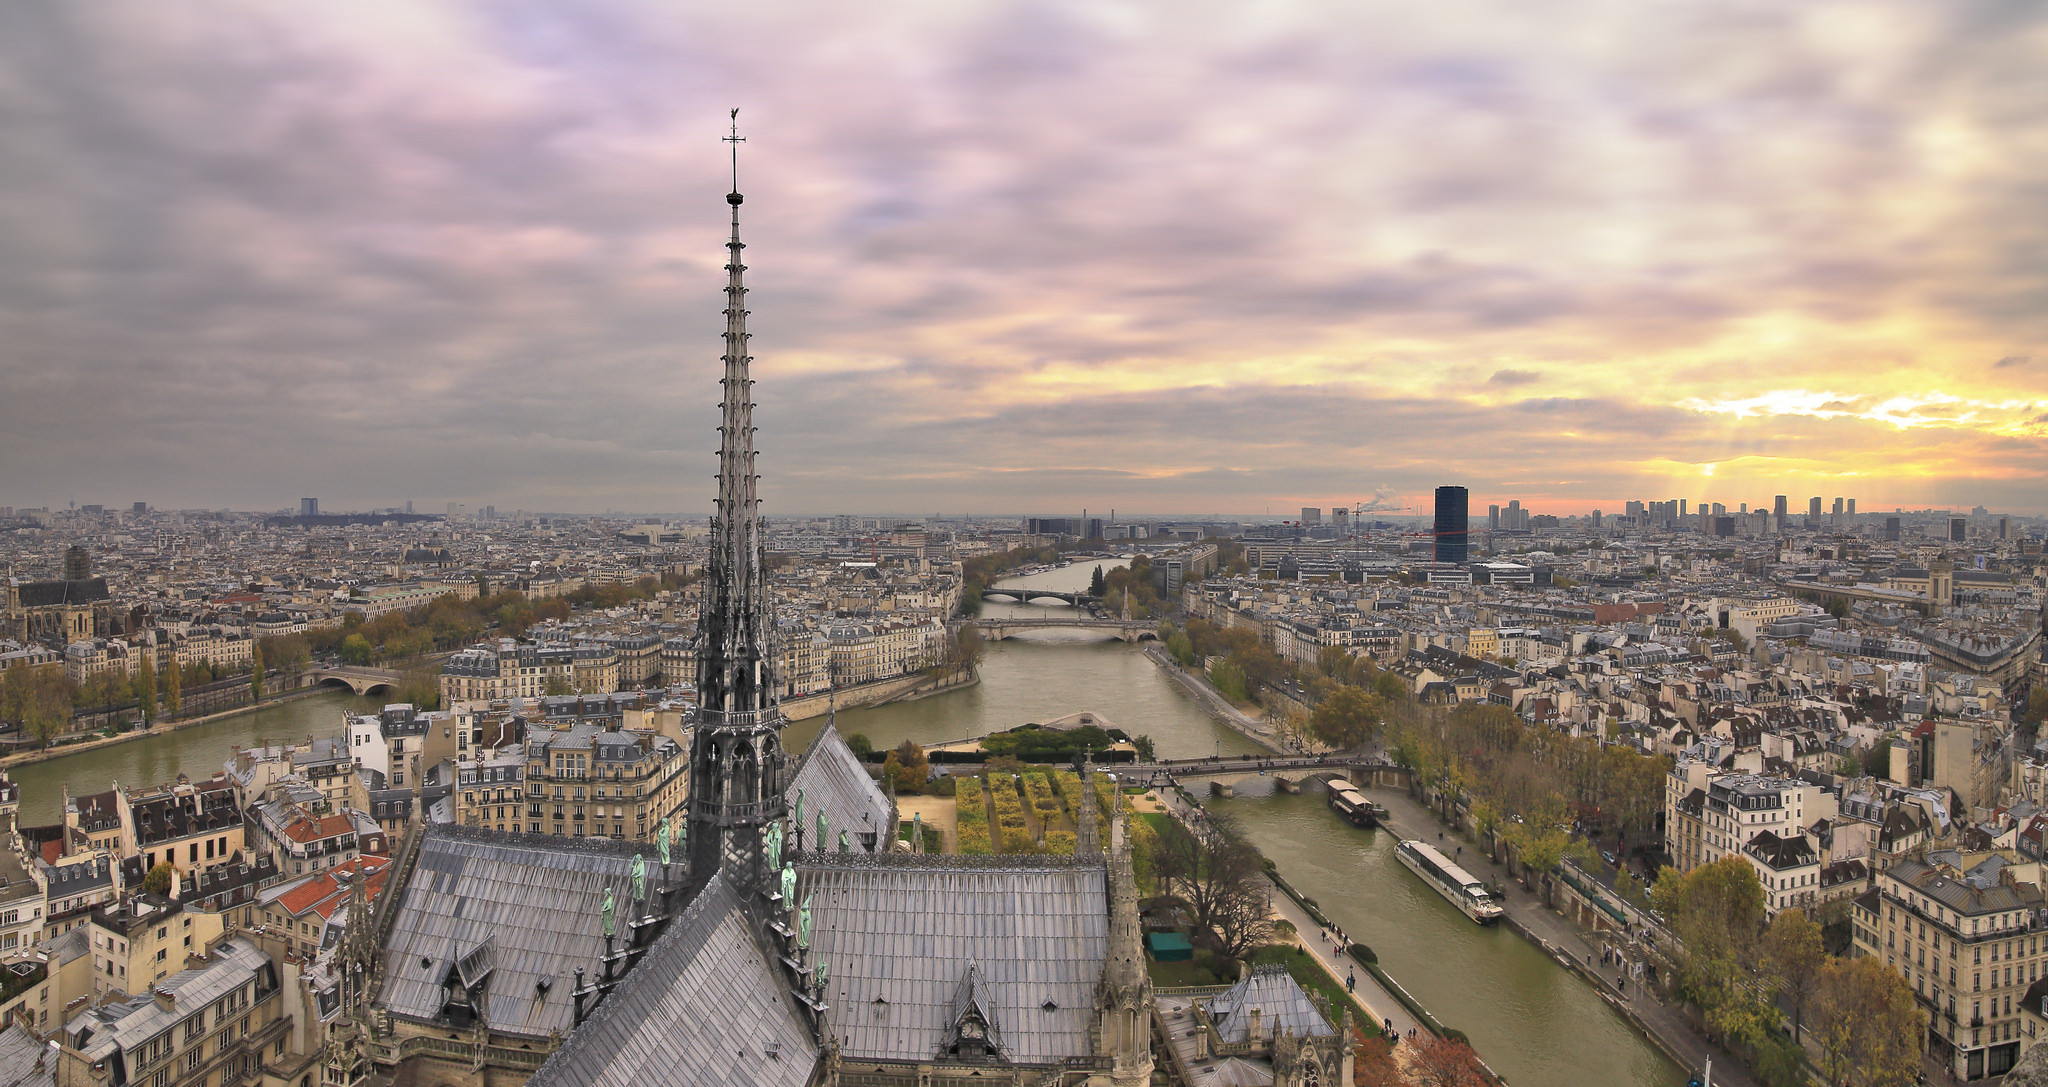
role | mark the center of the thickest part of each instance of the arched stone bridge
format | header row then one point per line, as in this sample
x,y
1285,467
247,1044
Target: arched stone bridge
x,y
1123,630
1022,595
359,680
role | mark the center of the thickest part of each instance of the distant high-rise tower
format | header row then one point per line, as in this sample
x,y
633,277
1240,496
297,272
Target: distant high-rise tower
x,y
1958,529
1451,506
1813,512
1778,513
1311,515
1852,509
309,507
1891,529
738,769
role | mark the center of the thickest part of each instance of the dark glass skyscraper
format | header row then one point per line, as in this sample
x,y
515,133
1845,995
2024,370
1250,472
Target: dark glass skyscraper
x,y
1450,524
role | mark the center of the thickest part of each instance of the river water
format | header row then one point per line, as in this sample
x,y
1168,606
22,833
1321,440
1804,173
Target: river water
x,y
198,752
1535,1023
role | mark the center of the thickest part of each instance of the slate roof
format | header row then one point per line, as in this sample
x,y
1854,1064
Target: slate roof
x,y
704,1007
45,594
1281,1003
98,1032
536,897
834,781
25,1060
899,932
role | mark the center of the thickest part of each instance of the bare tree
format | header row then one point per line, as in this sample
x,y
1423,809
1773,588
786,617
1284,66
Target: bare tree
x,y
1221,877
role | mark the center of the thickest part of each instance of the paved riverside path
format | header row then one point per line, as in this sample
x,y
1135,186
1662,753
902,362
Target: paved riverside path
x,y
1380,1003
1668,1023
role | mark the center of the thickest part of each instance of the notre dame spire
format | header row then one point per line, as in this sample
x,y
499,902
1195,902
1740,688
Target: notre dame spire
x,y
736,759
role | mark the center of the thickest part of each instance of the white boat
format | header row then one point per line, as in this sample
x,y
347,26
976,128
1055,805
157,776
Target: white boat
x,y
1462,888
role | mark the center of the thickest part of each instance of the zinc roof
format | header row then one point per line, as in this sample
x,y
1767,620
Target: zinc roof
x,y
537,897
705,1007
834,781
900,932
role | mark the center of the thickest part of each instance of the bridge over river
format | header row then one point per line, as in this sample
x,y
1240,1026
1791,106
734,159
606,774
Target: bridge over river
x,y
358,680
996,628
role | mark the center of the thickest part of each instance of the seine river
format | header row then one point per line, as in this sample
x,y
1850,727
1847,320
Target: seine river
x,y
1535,1023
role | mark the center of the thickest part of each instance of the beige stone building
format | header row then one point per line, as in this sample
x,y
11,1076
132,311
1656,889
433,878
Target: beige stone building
x,y
1965,931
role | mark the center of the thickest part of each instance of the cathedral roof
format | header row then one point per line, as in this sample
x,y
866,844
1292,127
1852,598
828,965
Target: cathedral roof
x,y
535,898
834,782
705,1007
900,931
1276,996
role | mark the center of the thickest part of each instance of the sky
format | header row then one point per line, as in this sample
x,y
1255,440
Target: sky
x,y
1026,257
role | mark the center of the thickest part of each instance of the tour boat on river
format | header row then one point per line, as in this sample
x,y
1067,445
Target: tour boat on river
x,y
1346,800
1462,888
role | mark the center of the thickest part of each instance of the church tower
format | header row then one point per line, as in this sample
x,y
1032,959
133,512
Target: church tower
x,y
737,765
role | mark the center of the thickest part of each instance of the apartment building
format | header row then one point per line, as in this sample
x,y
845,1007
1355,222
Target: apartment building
x,y
1710,815
143,940
1967,930
582,782
512,670
213,1021
189,826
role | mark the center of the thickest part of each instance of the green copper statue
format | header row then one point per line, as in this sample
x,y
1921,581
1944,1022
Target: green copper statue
x,y
823,838
606,912
796,819
774,846
845,843
788,884
818,977
803,923
639,878
661,842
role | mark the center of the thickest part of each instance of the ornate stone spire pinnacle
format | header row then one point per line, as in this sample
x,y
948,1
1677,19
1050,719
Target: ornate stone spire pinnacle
x,y
736,758
735,669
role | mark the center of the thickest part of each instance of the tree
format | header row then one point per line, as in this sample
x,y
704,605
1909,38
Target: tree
x,y
1143,744
145,688
356,649
1097,585
421,687
1220,876
558,685
968,646
1716,911
859,744
912,767
174,688
1445,1062
1372,1062
158,881
256,673
1348,717
1792,958
1866,1025
1877,762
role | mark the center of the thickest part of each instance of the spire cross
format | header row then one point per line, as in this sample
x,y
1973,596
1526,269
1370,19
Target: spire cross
x,y
735,139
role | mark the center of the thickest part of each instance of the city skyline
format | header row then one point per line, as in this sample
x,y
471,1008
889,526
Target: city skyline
x,y
1025,259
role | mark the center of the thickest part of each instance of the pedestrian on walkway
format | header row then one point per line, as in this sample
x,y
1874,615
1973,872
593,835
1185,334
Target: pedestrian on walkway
x,y
1351,982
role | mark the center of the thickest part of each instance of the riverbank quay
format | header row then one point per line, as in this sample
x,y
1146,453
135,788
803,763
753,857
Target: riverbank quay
x,y
1219,707
1667,1026
97,743
1382,1004
881,692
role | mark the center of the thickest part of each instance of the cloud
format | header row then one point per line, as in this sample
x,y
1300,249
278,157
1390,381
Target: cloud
x,y
1016,254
